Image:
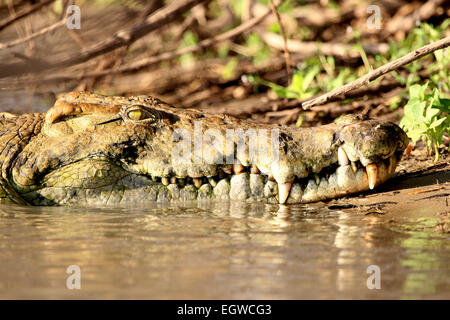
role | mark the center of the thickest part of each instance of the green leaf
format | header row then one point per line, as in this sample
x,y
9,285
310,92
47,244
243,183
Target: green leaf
x,y
280,91
415,92
443,105
189,39
297,83
261,55
254,41
223,50
230,67
309,77
414,136
300,120
275,28
417,110
437,123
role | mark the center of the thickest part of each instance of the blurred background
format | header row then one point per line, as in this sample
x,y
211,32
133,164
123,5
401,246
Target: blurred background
x,y
222,56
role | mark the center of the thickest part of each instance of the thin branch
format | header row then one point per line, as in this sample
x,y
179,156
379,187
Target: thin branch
x,y
312,48
33,35
150,8
285,104
10,20
121,38
393,65
287,55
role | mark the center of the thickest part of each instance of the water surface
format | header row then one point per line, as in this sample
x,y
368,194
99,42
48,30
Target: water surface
x,y
220,251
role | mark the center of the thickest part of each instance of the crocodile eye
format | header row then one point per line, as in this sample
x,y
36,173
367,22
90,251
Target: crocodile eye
x,y
136,115
139,114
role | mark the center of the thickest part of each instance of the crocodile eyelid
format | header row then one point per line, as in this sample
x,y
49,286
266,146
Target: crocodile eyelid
x,y
63,109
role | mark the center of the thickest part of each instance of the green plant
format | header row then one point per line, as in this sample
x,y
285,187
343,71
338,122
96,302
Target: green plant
x,y
257,49
229,69
438,68
427,117
300,87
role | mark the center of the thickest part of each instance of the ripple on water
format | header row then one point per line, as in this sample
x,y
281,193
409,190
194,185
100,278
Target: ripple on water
x,y
216,250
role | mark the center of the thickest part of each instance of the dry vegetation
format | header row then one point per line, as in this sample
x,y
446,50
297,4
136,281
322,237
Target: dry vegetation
x,y
225,56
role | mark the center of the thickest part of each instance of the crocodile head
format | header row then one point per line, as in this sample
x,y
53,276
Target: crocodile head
x,y
94,149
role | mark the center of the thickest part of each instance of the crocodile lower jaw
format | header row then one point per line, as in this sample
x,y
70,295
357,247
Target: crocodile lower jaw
x,y
244,184
239,184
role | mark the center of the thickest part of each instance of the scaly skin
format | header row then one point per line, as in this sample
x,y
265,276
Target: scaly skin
x,y
92,149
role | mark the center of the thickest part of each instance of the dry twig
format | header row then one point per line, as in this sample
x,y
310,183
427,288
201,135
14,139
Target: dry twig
x,y
287,55
121,38
34,35
173,54
312,48
10,20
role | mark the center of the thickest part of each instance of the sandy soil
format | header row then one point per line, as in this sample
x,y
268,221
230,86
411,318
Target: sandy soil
x,y
420,187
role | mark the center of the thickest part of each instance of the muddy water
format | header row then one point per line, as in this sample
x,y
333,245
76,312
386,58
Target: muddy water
x,y
222,251
236,250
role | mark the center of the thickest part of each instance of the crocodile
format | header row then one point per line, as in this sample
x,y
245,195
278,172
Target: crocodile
x,y
92,149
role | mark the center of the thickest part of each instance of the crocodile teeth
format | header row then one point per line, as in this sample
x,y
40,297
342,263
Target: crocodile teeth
x,y
197,182
354,166
391,167
372,171
173,180
238,168
342,157
317,178
283,191
212,182
254,169
165,181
